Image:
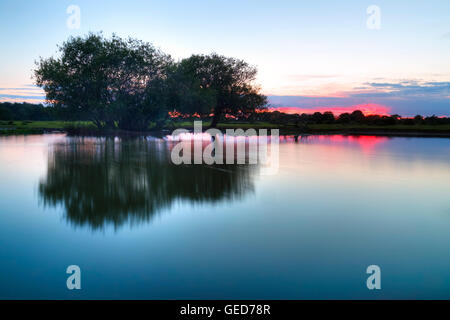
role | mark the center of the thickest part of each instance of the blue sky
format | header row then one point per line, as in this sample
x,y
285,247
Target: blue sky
x,y
310,54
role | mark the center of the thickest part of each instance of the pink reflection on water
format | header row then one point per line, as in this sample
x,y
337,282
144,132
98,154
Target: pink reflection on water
x,y
367,144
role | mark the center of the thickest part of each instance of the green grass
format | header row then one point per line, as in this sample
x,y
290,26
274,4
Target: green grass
x,y
37,127
41,124
230,125
322,127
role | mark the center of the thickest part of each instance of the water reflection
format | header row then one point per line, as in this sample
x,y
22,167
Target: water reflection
x,y
367,144
102,181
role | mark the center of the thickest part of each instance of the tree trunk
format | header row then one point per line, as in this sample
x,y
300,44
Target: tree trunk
x,y
110,125
215,120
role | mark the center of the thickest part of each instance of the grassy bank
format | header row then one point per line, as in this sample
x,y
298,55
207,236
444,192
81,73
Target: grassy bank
x,y
39,127
86,127
399,130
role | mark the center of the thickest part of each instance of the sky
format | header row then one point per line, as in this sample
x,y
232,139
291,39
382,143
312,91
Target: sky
x,y
379,56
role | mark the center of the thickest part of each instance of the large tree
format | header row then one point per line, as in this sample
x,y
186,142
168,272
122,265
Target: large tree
x,y
218,85
110,80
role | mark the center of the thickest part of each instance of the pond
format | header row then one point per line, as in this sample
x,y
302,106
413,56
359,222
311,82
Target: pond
x,y
140,227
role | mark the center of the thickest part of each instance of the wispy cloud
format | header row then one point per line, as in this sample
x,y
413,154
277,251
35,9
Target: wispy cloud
x,y
25,93
27,87
404,89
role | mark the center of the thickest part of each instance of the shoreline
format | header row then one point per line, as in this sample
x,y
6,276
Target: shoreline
x,y
163,132
87,129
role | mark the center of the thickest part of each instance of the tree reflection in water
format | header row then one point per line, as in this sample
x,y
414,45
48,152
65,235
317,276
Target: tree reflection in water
x,y
101,181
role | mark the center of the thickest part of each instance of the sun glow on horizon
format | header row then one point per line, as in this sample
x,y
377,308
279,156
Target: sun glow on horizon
x,y
367,109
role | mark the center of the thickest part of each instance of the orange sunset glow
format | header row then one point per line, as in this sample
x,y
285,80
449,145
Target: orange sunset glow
x,y
367,109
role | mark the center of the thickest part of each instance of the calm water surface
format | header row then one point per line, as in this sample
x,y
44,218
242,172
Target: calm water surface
x,y
142,228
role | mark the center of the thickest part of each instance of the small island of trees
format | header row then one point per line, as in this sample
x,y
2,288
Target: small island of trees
x,y
128,83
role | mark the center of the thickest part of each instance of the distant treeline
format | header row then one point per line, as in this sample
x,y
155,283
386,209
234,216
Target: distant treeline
x,y
38,112
26,111
356,117
34,112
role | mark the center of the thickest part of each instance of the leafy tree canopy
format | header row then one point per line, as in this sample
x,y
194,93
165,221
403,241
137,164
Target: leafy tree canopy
x,y
110,80
218,85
